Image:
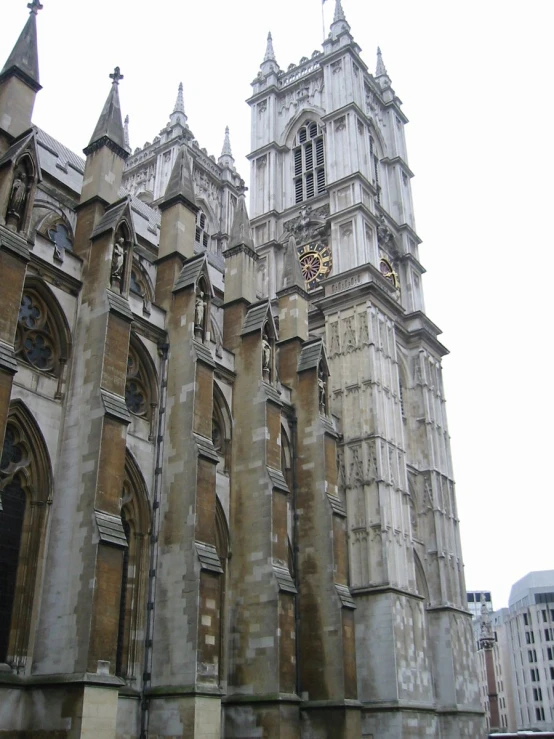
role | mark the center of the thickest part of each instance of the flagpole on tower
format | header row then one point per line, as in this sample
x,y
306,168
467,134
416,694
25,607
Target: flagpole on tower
x,y
323,19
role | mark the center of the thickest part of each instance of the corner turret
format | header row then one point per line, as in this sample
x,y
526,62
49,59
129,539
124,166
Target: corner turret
x,y
19,79
106,152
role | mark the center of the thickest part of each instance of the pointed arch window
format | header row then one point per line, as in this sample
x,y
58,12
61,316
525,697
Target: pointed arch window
x,y
309,162
135,517
40,339
25,484
141,384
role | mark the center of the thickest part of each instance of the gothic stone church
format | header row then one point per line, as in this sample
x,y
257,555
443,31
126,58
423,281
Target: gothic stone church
x,y
227,505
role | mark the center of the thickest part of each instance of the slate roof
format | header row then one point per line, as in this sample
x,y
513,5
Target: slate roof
x,y
208,557
115,406
190,272
277,479
110,219
310,356
256,317
110,529
284,579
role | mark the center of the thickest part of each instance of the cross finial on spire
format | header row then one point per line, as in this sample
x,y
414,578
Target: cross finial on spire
x,y
269,53
34,7
116,76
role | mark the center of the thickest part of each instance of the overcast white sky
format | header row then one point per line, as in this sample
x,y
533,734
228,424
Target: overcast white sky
x,y
475,79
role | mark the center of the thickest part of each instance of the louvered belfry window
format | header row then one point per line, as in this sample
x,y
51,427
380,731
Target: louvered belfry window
x,y
309,162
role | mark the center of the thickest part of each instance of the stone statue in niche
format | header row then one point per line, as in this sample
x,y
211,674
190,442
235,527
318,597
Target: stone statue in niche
x,y
199,313
18,197
266,358
322,391
118,258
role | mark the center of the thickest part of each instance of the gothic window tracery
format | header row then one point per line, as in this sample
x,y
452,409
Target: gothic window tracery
x,y
140,387
24,490
135,519
309,162
38,339
60,235
136,393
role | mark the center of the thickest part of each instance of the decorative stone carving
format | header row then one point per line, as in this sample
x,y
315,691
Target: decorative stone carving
x,y
322,390
118,258
199,314
340,124
309,225
266,358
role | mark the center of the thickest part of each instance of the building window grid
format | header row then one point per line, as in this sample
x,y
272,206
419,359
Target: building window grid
x,y
309,163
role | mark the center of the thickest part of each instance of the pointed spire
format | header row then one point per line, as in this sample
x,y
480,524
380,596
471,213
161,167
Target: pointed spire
x,y
110,126
179,103
269,63
178,115
23,61
269,52
226,151
292,271
180,186
381,69
339,12
339,24
126,132
240,230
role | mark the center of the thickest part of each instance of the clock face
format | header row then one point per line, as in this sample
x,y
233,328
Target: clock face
x,y
316,261
387,270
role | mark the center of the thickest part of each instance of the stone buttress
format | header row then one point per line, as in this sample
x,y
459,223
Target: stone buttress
x,y
183,687
326,649
77,636
262,697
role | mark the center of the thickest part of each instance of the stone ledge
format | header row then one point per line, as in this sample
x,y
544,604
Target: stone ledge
x,y
238,698
175,691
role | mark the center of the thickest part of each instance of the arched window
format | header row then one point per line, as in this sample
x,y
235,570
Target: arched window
x,y
309,162
25,486
202,236
221,430
140,388
42,336
135,517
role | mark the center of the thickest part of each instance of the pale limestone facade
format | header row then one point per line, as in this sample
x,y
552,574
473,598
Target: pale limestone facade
x,y
230,482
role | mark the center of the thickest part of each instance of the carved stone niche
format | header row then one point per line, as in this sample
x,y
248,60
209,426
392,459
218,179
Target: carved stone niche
x,y
19,205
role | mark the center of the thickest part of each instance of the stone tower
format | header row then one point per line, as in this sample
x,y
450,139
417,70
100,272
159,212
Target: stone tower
x,y
329,168
226,497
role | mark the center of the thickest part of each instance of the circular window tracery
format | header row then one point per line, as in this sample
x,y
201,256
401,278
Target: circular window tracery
x,y
136,393
35,340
